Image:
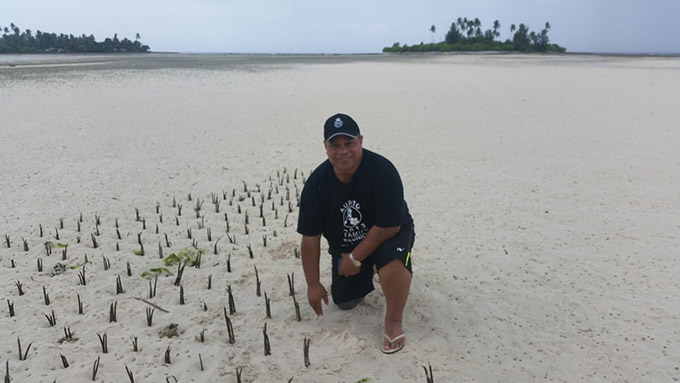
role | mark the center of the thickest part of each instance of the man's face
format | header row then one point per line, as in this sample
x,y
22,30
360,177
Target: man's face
x,y
344,152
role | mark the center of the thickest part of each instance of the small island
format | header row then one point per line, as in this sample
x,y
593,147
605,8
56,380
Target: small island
x,y
466,35
13,40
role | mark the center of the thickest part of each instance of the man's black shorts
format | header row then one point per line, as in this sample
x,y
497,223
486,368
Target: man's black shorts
x,y
345,289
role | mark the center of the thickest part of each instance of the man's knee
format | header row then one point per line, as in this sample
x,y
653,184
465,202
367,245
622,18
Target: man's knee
x,y
349,304
394,270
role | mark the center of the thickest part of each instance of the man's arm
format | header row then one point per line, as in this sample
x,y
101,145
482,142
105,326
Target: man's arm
x,y
310,253
375,237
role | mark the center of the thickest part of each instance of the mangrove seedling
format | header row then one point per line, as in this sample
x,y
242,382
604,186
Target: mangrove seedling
x,y
305,351
23,356
291,283
149,316
51,319
181,295
129,374
80,305
230,328
68,335
95,368
180,271
238,374
232,306
81,276
215,247
257,285
112,312
11,308
298,317
119,286
46,297
429,376
267,346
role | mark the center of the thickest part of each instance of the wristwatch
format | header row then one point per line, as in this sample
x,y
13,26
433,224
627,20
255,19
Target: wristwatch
x,y
354,261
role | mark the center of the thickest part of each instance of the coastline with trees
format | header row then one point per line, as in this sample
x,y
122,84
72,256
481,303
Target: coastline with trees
x,y
13,40
466,35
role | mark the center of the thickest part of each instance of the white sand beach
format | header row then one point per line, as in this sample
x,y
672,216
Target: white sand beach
x,y
545,192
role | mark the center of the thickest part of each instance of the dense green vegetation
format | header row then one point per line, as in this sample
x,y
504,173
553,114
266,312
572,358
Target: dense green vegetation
x,y
467,36
15,41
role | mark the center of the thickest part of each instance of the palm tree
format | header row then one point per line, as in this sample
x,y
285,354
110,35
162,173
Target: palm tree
x,y
433,29
496,27
137,36
513,28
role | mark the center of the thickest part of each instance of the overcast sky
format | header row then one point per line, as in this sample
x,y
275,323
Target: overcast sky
x,y
349,26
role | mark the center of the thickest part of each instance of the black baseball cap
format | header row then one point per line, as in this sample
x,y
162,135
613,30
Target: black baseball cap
x,y
340,124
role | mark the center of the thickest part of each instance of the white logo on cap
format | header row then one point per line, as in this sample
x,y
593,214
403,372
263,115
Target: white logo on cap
x,y
338,123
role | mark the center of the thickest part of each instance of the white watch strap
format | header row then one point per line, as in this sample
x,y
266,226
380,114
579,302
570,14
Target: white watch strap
x,y
354,260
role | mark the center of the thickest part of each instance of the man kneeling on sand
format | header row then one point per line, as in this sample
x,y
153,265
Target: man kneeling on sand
x,y
355,199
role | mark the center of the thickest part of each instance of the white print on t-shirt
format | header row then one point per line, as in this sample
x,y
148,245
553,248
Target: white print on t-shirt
x,y
354,230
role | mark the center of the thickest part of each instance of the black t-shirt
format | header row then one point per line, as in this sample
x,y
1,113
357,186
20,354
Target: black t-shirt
x,y
344,213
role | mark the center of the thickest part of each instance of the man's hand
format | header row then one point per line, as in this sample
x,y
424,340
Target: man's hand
x,y
347,268
315,293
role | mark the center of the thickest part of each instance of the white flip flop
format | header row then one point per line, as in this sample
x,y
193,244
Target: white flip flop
x,y
392,340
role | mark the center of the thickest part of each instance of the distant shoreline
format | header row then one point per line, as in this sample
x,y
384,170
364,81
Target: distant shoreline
x,y
615,54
